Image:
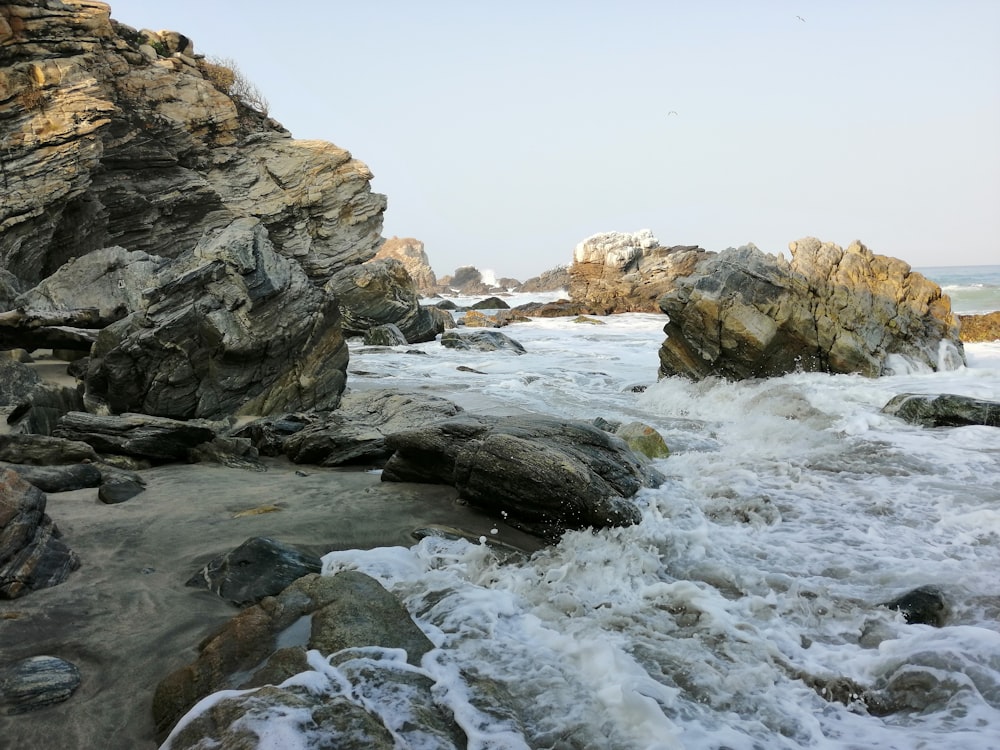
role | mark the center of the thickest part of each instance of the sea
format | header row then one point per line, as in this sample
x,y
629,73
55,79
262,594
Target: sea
x,y
746,610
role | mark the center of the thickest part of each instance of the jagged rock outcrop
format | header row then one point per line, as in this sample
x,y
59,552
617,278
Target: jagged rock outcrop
x,y
744,314
379,292
107,143
357,431
541,474
617,272
138,435
32,555
411,254
231,328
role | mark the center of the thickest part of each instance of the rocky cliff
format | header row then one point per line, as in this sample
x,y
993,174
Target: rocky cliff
x,y
128,164
107,140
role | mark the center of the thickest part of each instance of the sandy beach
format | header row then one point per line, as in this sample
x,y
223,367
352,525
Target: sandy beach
x,y
126,619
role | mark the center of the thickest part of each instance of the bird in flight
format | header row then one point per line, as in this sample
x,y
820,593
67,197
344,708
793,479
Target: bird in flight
x,y
801,19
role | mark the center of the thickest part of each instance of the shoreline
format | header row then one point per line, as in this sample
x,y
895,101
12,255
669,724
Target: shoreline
x,y
126,619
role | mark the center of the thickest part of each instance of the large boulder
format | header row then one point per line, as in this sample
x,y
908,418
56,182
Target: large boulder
x,y
105,280
379,292
32,555
744,314
617,272
357,431
411,254
107,143
543,474
259,567
232,328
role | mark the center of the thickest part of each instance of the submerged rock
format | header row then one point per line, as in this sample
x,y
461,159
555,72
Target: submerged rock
x,y
543,474
36,682
924,605
363,614
943,410
485,341
743,314
32,556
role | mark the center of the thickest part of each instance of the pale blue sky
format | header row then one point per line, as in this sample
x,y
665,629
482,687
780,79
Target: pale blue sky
x,y
504,133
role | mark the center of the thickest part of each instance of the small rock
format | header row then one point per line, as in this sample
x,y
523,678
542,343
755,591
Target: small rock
x,y
36,682
924,605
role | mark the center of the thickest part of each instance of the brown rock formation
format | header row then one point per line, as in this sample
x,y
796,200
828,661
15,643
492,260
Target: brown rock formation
x,y
744,314
980,327
620,272
411,254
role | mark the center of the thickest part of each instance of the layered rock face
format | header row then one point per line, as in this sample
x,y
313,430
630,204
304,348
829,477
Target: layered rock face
x,y
137,190
744,314
105,143
619,272
411,254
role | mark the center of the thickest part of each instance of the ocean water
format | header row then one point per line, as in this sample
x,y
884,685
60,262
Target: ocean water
x,y
972,289
746,600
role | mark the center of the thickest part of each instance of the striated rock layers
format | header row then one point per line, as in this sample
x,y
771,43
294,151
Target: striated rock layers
x,y
744,314
190,218
32,555
619,272
107,144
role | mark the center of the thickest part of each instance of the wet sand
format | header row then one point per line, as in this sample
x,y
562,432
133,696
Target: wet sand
x,y
126,619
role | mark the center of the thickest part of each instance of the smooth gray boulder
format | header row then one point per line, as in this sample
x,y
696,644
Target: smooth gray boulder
x,y
259,567
542,474
44,450
387,334
484,341
58,478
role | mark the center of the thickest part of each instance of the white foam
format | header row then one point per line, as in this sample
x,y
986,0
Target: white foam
x,y
792,508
